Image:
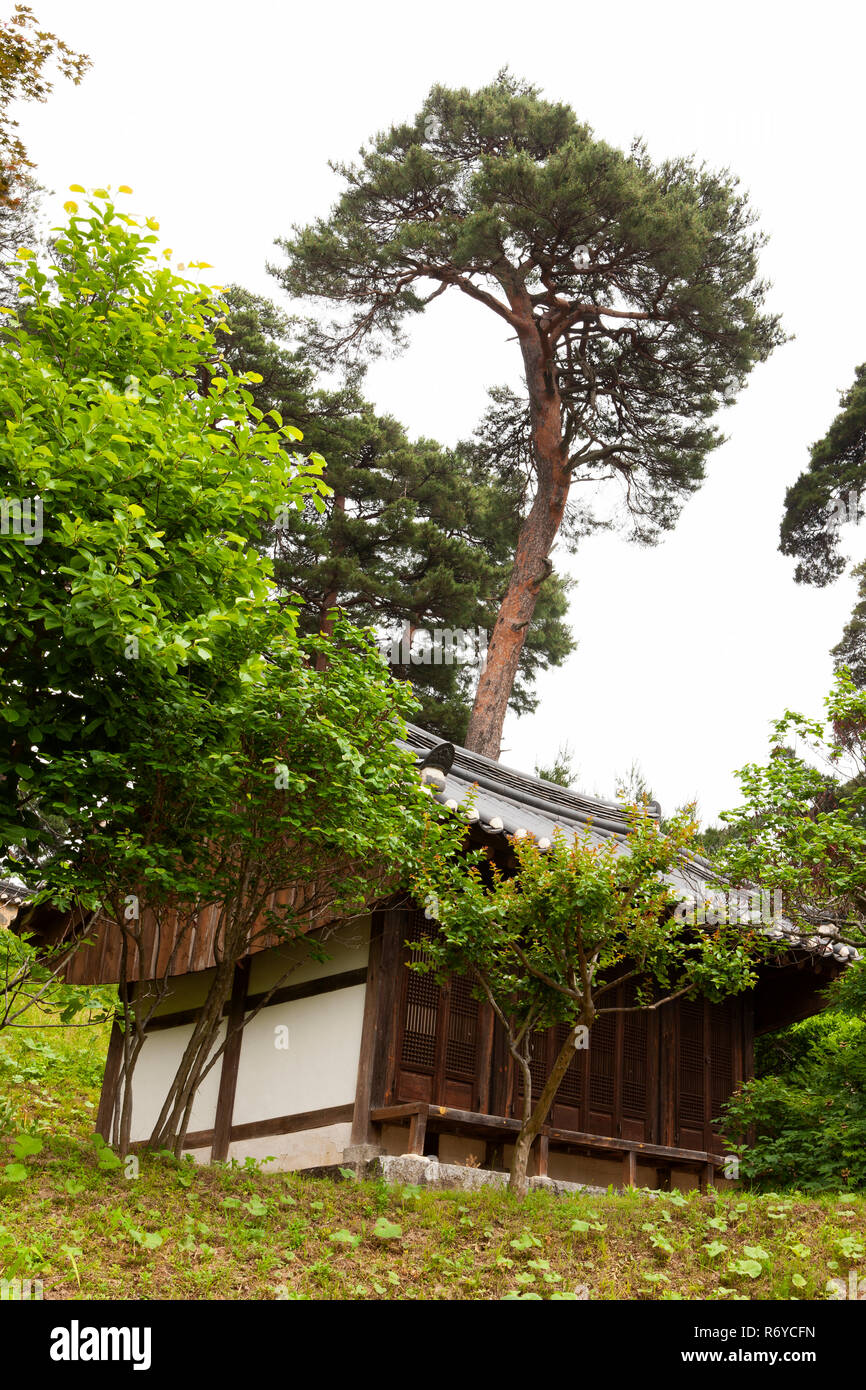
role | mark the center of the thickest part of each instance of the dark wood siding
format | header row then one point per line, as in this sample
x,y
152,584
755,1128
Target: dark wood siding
x,y
710,1063
440,1055
658,1078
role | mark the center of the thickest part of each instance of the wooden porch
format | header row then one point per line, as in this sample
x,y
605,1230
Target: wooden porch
x,y
422,1118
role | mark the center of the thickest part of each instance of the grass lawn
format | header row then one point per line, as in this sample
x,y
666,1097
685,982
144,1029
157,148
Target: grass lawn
x,y
71,1216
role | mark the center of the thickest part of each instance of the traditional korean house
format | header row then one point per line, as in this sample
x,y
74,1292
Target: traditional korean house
x,y
359,1054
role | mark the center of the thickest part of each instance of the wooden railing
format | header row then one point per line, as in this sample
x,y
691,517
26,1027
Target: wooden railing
x,y
420,1116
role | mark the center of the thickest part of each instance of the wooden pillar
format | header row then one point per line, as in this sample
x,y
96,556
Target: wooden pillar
x,y
377,1060
222,1130
620,999
501,1081
668,1076
708,1174
441,1045
629,1168
542,1149
496,1156
706,1040
484,1064
749,1049
653,1050
418,1131
108,1094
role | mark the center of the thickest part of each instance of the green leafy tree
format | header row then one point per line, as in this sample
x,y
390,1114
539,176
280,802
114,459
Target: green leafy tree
x,y
132,505
415,539
27,55
279,803
631,289
19,227
34,992
801,827
562,770
546,945
850,651
801,1122
172,744
829,495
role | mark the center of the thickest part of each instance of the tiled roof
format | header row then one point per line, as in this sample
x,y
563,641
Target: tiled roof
x,y
12,892
501,800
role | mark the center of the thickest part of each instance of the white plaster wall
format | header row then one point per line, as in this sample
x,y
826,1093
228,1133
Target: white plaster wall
x,y
185,992
348,948
319,1067
153,1075
309,1148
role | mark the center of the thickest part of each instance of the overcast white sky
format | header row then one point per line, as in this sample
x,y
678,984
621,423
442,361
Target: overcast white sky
x,y
222,117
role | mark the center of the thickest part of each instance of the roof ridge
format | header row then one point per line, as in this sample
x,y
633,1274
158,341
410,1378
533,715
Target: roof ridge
x,y
524,787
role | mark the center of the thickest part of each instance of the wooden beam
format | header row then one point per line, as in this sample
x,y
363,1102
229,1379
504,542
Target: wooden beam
x,y
418,1131
629,1169
267,1129
668,1074
384,1113
444,1117
620,1146
362,1125
484,1065
293,1124
542,1154
108,1094
346,979
225,1106
384,1061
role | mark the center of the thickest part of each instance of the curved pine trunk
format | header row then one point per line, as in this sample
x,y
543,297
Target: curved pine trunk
x,y
534,544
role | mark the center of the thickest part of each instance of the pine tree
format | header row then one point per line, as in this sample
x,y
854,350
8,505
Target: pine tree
x,y
631,289
828,495
416,541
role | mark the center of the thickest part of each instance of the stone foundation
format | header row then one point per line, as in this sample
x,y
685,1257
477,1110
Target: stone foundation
x,y
414,1170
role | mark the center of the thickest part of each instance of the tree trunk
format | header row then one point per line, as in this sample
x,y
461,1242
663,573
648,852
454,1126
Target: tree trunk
x,y
534,543
170,1127
326,624
518,1182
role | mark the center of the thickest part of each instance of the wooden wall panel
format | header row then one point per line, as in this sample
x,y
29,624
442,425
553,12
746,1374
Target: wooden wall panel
x,y
657,1078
